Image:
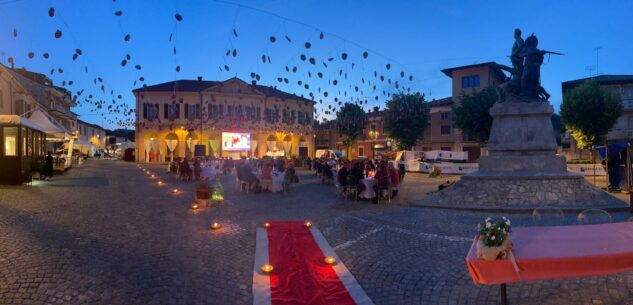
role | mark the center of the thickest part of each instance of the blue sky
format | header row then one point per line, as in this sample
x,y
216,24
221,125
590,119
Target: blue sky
x,y
417,37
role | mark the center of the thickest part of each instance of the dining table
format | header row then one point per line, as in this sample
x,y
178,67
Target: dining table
x,y
557,252
368,192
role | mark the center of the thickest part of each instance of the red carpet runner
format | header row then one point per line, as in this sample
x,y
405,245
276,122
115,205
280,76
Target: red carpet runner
x,y
300,275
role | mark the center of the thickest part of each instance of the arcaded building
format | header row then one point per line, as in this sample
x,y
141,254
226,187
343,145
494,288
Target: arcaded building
x,y
229,118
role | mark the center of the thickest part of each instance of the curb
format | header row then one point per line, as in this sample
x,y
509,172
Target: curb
x,y
514,210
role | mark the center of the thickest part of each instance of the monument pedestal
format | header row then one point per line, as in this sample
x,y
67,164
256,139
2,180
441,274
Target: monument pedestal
x,y
522,169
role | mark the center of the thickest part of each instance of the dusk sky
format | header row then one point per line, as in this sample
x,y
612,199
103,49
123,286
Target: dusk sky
x,y
416,37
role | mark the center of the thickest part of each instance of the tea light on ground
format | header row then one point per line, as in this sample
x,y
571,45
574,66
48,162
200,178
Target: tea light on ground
x,y
194,206
215,226
174,191
267,268
330,260
160,182
307,224
266,224
153,176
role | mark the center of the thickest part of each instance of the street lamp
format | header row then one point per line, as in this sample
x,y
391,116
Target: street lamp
x,y
373,134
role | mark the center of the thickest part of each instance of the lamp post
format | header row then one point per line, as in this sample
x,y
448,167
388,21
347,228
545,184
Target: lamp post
x,y
373,135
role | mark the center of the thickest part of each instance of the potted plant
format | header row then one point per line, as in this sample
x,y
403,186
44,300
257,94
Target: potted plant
x,y
494,238
217,192
203,190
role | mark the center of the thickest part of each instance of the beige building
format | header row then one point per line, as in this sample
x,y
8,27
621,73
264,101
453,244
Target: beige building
x,y
441,134
622,85
93,134
183,117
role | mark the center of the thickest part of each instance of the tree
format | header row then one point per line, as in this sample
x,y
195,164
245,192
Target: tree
x,y
350,122
473,115
589,112
406,117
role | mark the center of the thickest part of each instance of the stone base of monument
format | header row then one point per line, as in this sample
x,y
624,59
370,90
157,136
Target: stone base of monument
x,y
524,192
522,169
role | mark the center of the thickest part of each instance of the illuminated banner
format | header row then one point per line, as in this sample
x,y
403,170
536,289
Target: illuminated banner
x,y
232,141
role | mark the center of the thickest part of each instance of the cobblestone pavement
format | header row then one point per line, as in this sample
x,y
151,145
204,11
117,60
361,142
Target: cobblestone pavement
x,y
106,234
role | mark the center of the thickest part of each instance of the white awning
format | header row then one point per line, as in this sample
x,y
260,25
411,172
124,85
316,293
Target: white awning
x,y
51,128
126,145
18,120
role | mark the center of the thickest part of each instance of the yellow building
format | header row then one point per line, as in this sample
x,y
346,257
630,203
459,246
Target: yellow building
x,y
221,118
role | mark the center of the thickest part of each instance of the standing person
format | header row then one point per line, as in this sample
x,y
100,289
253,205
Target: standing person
x,y
185,170
309,163
197,169
48,165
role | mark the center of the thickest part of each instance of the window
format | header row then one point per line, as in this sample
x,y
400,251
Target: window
x,y
373,127
10,141
192,111
445,116
25,139
29,142
171,111
1,99
470,81
361,151
445,129
150,111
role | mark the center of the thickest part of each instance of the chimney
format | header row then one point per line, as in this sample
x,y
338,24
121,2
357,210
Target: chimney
x,y
376,108
199,78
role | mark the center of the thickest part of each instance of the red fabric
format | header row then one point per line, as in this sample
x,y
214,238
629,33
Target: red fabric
x,y
381,177
395,177
547,253
300,276
266,172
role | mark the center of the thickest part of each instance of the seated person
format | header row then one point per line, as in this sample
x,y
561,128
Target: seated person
x,y
395,179
357,171
245,173
267,179
382,180
342,176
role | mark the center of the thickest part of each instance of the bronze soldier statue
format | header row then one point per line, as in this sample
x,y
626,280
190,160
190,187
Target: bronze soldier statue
x,y
526,60
515,58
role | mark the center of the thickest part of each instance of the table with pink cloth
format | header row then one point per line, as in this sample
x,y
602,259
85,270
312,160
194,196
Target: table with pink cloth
x,y
549,253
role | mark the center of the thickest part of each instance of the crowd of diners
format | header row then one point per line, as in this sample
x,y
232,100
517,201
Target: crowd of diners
x,y
266,174
354,177
364,178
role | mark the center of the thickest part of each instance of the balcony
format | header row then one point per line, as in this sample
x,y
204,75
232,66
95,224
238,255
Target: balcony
x,y
60,110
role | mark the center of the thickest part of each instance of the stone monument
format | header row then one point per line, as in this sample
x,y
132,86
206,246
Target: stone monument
x,y
522,169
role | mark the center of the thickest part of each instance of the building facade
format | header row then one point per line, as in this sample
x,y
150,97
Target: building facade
x,y
441,134
91,133
373,143
194,117
622,85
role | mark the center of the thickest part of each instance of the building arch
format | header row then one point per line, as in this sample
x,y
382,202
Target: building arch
x,y
151,147
287,144
171,141
271,143
191,140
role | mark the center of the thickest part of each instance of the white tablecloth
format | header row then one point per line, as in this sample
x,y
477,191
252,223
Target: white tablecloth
x,y
368,193
278,180
209,172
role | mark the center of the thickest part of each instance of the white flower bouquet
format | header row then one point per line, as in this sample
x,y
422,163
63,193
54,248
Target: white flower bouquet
x,y
494,238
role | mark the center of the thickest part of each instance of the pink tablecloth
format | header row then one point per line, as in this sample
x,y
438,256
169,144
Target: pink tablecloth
x,y
547,253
